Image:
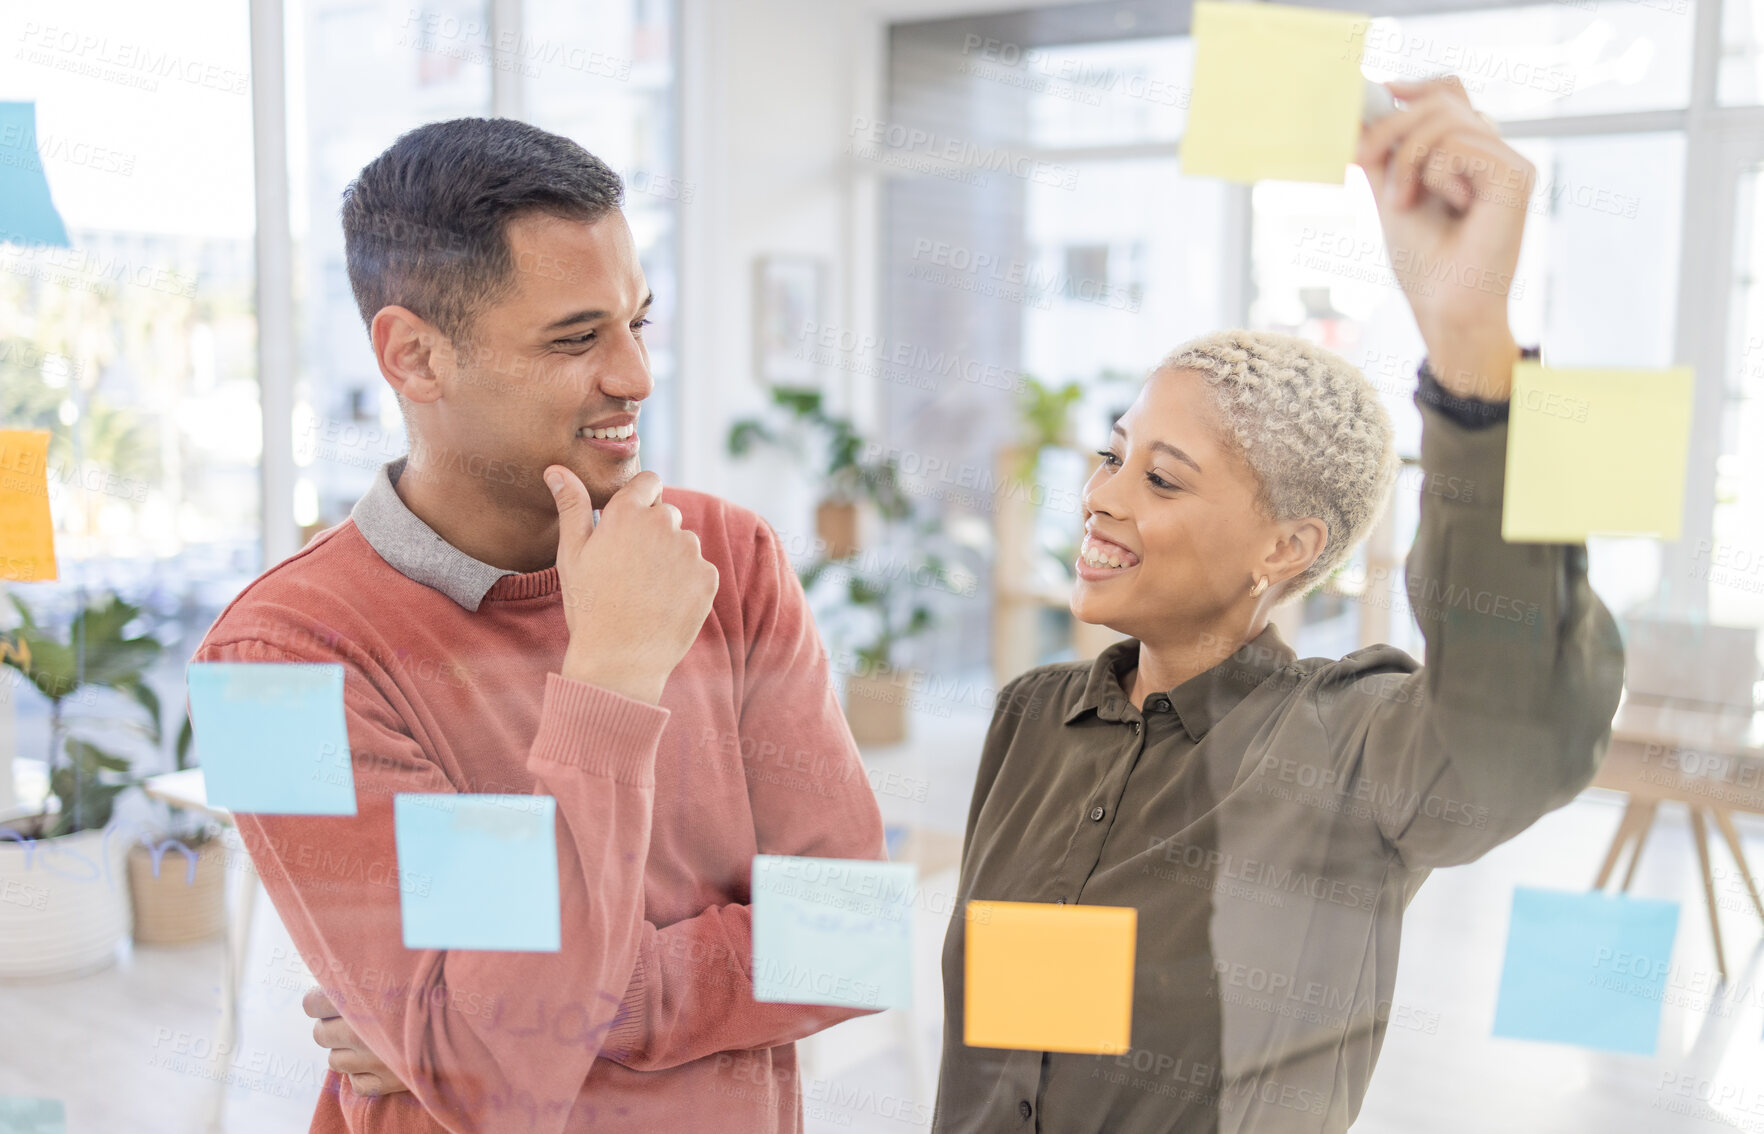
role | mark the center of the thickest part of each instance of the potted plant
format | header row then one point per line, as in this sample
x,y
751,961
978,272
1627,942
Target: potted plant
x,y
64,906
1033,565
847,481
870,603
883,602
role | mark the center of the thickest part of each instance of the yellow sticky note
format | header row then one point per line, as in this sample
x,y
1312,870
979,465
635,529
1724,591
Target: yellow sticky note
x,y
1596,452
27,538
1043,977
1277,93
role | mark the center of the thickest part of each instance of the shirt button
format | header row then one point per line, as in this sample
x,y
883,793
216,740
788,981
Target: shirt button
x,y
1024,1110
1059,901
1096,813
1136,728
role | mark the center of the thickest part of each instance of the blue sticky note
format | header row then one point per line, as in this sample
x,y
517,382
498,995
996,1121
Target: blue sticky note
x,y
1587,969
32,1116
272,738
833,931
478,872
27,213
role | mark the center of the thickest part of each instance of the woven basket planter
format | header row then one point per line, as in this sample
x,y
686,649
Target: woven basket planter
x,y
181,898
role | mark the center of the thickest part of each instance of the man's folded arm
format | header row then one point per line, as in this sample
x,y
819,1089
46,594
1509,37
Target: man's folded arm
x,y
691,996
472,1033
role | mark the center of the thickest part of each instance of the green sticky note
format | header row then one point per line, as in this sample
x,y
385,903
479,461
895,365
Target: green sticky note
x,y
27,213
32,1116
1596,452
1277,93
833,931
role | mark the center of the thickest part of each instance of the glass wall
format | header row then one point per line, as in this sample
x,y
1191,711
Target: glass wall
x,y
1062,241
136,345
137,348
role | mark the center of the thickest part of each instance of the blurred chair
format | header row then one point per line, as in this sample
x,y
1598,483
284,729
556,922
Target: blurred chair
x,y
1687,731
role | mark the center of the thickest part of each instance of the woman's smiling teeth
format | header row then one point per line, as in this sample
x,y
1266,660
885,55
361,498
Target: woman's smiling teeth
x,y
1096,553
616,433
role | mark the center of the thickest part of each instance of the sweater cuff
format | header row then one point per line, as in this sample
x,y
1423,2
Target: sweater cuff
x,y
594,729
624,1040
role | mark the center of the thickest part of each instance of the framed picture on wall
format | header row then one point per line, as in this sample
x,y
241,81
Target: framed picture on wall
x,y
788,294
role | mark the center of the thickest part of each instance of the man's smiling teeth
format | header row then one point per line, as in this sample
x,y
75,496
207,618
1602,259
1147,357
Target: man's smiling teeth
x,y
1106,555
616,433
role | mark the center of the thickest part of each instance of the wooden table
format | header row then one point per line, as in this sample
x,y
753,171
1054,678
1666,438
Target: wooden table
x,y
188,789
1709,759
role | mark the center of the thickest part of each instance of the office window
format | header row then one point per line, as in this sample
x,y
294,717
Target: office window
x,y
1136,250
135,346
1078,254
1733,562
1096,94
359,76
1741,77
1546,60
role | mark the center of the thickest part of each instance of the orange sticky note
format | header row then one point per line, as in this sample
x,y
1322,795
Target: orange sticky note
x,y
27,538
1042,977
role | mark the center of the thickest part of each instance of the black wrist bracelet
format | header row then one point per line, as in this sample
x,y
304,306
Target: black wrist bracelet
x,y
1472,413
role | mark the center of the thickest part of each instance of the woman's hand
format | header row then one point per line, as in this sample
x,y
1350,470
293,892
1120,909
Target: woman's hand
x,y
1452,197
349,1056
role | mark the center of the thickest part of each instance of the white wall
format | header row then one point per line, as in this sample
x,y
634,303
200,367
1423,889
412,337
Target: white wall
x,y
769,92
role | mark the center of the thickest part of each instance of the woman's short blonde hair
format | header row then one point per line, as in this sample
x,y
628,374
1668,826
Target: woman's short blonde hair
x,y
1310,426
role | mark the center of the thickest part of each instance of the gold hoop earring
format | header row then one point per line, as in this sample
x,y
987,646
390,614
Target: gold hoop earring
x,y
1261,585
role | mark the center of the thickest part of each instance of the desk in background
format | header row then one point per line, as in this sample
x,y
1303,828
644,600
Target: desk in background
x,y
1687,732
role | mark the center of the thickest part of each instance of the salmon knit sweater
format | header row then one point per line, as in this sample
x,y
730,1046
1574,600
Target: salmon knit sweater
x,y
645,1021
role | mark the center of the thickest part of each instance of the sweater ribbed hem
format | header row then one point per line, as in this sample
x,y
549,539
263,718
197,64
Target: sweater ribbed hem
x,y
594,729
533,584
625,1037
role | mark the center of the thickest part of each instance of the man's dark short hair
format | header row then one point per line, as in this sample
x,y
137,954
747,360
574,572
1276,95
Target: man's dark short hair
x,y
425,224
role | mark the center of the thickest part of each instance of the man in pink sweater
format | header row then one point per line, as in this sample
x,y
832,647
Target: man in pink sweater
x,y
652,672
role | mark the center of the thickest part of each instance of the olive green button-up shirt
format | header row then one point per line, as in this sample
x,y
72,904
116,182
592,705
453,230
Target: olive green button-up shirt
x,y
1271,818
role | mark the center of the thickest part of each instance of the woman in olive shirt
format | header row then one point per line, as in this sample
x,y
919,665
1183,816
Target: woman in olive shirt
x,y
1270,818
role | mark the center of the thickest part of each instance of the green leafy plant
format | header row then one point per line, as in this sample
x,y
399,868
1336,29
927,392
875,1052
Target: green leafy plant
x,y
870,588
1046,413
846,475
98,652
882,596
